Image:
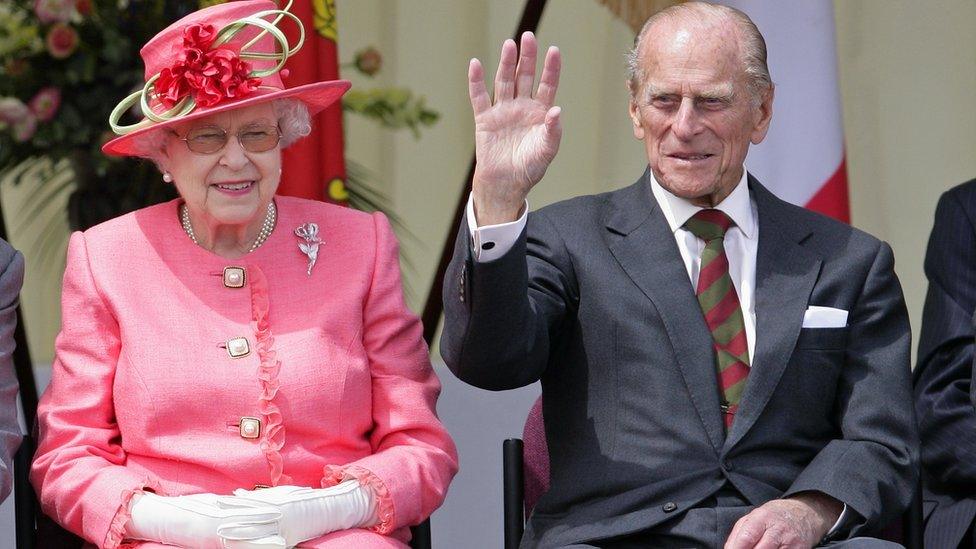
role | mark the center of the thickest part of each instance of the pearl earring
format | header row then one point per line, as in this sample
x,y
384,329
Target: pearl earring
x,y
167,177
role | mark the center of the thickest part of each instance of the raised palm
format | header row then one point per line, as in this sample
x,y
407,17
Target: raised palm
x,y
517,135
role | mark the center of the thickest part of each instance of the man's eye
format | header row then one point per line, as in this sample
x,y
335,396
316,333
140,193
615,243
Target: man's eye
x,y
663,101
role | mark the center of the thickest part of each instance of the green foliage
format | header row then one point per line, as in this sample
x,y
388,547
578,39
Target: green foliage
x,y
99,71
58,146
394,108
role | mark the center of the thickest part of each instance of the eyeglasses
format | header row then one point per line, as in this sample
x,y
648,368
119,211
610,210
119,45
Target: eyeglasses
x,y
210,139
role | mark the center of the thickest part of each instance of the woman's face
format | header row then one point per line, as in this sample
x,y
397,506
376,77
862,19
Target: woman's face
x,y
230,185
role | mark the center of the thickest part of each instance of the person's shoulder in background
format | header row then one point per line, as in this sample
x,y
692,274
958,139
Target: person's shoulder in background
x,y
11,280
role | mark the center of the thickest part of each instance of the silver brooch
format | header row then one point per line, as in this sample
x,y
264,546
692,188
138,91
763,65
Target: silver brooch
x,y
309,232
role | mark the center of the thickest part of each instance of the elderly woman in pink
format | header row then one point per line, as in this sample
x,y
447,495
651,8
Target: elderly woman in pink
x,y
236,369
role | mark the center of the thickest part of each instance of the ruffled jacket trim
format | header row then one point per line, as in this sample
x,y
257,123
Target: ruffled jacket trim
x,y
116,530
334,474
273,437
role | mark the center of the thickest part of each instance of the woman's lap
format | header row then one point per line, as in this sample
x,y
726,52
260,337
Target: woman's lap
x,y
351,539
355,539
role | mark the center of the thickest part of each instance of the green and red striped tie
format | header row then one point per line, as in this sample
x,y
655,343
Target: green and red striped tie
x,y
720,304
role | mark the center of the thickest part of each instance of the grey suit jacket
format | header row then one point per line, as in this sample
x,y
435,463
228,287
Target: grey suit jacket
x,y
595,301
11,279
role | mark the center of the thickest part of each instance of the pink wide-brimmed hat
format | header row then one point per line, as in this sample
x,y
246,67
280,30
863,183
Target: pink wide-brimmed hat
x,y
219,58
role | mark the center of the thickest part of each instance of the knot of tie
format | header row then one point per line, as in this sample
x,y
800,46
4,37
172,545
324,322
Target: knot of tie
x,y
709,225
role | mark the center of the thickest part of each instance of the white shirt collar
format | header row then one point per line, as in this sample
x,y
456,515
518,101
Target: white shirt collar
x,y
737,205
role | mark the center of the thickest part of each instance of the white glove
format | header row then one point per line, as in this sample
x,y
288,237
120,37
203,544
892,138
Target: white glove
x,y
204,521
308,513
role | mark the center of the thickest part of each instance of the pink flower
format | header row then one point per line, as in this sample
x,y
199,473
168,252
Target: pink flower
x,y
54,11
210,76
61,41
12,110
369,61
24,129
45,103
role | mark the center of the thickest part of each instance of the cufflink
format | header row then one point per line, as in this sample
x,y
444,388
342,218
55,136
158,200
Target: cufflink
x,y
250,427
238,347
234,277
487,245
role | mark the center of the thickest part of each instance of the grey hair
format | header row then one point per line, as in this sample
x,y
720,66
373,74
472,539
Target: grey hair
x,y
294,121
753,45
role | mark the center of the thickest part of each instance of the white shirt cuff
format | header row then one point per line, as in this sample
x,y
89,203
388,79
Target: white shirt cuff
x,y
490,242
840,522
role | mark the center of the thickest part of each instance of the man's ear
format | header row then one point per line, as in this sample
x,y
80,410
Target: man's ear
x,y
764,115
635,120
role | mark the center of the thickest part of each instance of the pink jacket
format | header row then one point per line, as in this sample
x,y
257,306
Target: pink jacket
x,y
145,392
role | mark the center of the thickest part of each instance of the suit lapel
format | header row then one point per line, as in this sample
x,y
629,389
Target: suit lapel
x,y
642,242
785,276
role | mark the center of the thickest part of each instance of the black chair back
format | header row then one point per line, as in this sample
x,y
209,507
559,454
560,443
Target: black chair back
x,y
25,503
420,535
513,492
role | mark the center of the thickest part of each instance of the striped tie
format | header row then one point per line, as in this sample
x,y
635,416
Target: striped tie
x,y
720,304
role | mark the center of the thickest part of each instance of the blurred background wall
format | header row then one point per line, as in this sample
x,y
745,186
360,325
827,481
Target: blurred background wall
x,y
907,77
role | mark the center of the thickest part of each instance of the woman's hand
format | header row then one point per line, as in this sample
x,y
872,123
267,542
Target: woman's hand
x,y
307,513
517,136
205,521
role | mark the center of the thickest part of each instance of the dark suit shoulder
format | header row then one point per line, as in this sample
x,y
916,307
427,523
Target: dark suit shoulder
x,y
588,214
829,238
570,210
952,243
964,193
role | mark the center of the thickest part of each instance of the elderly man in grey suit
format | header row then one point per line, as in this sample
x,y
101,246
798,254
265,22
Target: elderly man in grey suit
x,y
11,279
718,367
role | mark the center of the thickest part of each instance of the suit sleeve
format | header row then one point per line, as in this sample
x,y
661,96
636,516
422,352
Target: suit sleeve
x,y
873,465
502,317
79,468
11,279
943,375
414,458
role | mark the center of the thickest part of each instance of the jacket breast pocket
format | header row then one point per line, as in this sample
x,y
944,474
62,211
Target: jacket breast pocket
x,y
827,339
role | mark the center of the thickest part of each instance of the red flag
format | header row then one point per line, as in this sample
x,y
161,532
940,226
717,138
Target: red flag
x,y
802,159
314,167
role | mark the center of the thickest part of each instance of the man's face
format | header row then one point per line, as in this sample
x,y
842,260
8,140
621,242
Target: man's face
x,y
695,111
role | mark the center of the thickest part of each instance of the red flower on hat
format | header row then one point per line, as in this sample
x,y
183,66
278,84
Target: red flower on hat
x,y
208,75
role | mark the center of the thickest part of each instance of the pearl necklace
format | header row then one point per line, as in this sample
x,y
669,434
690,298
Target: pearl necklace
x,y
266,227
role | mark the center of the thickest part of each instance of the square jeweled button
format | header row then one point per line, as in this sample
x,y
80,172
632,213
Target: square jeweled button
x,y
250,427
234,277
238,347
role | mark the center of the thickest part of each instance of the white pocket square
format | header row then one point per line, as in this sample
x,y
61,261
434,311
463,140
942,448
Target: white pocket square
x,y
824,317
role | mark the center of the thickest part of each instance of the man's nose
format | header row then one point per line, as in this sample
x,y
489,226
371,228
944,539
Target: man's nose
x,y
687,120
